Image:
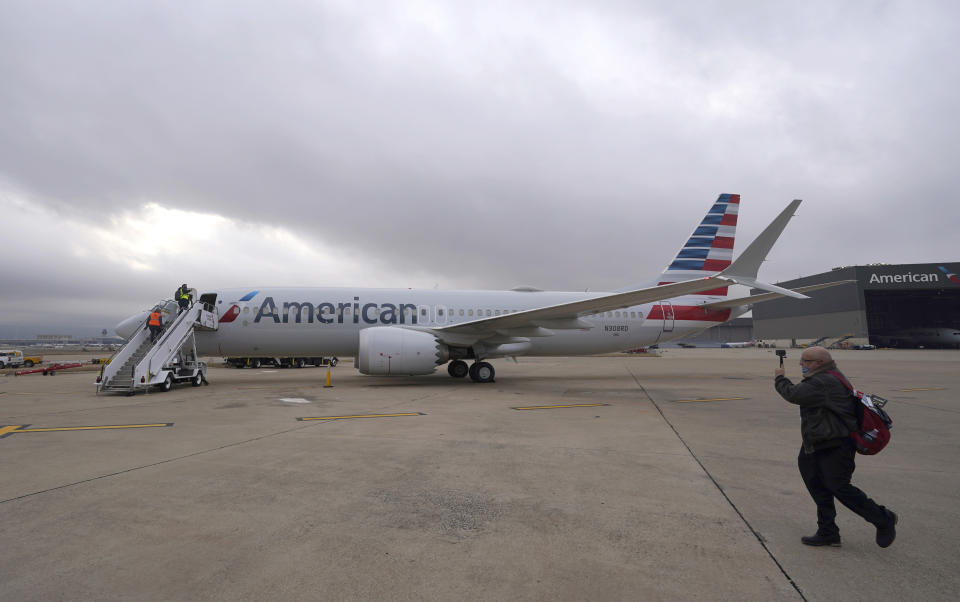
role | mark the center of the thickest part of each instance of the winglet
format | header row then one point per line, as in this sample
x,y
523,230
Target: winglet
x,y
754,283
745,268
754,299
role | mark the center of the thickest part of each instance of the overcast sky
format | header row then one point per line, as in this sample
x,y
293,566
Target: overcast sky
x,y
563,145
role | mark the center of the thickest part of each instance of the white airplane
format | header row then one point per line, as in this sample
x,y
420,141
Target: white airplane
x,y
411,332
737,345
946,338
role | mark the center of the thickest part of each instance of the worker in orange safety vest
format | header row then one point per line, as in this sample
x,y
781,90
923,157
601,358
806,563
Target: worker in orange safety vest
x,y
155,323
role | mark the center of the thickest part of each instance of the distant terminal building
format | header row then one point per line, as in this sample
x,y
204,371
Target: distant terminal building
x,y
910,305
54,338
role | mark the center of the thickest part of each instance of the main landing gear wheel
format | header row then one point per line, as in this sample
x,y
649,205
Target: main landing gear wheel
x,y
255,363
458,368
299,362
481,372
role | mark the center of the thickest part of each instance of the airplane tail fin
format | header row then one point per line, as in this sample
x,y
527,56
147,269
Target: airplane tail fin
x,y
709,250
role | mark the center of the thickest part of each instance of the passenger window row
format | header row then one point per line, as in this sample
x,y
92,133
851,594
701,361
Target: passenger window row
x,y
481,313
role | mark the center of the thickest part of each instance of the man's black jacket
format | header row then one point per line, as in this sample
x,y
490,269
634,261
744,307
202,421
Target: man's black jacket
x,y
827,411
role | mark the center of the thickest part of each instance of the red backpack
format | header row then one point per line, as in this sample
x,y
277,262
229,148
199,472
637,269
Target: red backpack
x,y
873,424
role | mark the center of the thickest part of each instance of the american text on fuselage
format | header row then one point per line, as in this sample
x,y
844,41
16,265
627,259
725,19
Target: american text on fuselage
x,y
298,312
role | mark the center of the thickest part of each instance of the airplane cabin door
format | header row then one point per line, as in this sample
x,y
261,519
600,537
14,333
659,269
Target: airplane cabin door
x,y
668,316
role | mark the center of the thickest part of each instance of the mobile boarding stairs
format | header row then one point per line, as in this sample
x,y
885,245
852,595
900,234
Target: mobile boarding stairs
x,y
172,358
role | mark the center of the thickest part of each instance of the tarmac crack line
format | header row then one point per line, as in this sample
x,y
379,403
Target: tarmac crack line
x,y
719,488
167,461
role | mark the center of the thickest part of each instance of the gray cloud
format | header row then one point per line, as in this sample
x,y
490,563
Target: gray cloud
x,y
486,145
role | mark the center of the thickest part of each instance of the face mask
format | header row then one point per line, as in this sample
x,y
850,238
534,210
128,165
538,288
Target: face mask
x,y
804,369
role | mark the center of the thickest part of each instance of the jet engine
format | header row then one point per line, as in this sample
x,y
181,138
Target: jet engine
x,y
391,350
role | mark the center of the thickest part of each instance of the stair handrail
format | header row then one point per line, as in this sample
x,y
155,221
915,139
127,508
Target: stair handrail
x,y
109,371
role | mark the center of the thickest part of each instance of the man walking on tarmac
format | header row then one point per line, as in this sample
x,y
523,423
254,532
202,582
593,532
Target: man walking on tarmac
x,y
827,458
155,323
183,298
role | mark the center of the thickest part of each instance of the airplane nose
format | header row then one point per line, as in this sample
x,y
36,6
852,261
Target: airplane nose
x,y
128,327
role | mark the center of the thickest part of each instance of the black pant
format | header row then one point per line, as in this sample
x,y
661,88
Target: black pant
x,y
184,305
827,473
154,332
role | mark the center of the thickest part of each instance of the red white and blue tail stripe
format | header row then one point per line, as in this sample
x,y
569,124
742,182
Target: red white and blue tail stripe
x,y
710,248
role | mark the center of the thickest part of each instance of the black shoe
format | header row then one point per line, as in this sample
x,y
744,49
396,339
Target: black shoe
x,y
821,540
886,535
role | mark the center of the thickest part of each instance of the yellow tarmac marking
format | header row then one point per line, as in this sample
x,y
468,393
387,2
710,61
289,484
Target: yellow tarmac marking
x,y
922,389
703,400
18,428
363,416
573,405
6,430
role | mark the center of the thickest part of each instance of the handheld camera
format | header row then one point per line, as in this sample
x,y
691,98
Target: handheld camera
x,y
781,353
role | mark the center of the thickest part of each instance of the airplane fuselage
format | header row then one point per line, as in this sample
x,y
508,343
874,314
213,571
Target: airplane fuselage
x,y
327,321
948,338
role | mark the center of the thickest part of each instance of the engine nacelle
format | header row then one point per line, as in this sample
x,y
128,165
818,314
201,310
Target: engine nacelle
x,y
390,350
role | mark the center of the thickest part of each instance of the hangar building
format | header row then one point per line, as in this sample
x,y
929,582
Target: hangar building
x,y
910,305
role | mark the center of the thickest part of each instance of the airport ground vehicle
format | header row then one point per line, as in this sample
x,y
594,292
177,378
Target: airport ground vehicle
x,y
144,363
10,358
281,362
183,369
32,360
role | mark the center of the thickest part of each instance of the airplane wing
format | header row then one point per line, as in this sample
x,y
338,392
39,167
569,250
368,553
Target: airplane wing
x,y
752,299
567,315
539,322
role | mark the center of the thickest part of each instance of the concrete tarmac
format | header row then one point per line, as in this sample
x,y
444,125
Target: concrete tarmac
x,y
670,478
